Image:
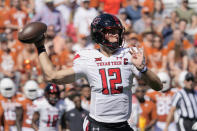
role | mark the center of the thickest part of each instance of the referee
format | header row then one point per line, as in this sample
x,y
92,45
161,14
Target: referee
x,y
185,101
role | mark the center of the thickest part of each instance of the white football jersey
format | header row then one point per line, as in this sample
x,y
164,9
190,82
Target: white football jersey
x,y
110,79
49,115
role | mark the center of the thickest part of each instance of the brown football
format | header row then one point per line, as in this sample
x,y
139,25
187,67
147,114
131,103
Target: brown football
x,y
32,32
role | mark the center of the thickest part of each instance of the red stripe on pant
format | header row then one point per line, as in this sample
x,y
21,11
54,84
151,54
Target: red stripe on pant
x,y
87,127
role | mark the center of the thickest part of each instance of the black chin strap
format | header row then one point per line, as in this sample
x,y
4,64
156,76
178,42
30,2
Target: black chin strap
x,y
112,45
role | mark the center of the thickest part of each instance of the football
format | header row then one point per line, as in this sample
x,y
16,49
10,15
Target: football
x,y
32,32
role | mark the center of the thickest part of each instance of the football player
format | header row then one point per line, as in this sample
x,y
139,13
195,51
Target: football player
x,y
109,70
163,101
48,110
8,99
24,113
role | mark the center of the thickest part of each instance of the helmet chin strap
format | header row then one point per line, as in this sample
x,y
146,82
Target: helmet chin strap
x,y
108,49
111,45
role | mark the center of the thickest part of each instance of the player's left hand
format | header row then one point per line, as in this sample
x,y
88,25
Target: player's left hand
x,y
138,58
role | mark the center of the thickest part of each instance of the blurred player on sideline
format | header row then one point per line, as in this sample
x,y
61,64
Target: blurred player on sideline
x,y
48,110
163,101
8,99
24,112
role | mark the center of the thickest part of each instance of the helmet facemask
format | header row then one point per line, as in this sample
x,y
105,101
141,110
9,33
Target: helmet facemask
x,y
113,46
52,100
7,88
52,94
32,94
8,92
31,89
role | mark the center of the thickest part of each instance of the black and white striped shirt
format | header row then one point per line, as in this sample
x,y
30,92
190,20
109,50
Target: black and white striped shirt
x,y
186,102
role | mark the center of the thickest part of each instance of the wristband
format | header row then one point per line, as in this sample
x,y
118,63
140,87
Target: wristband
x,y
144,70
41,49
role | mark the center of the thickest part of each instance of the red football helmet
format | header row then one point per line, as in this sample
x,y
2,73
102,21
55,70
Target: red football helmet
x,y
52,93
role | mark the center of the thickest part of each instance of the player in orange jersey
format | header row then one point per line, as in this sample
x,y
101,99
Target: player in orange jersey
x,y
8,100
24,113
163,102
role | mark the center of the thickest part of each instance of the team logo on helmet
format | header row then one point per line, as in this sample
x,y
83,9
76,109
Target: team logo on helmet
x,y
96,20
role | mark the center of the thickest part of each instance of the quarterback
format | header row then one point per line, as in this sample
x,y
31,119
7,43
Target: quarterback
x,y
109,71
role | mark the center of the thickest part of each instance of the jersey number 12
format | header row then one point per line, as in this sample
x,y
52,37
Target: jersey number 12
x,y
112,82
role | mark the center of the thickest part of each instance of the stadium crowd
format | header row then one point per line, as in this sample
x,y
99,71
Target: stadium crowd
x,y
167,35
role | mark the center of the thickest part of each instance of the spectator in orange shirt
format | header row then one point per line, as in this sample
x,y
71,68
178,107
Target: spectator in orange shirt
x,y
111,6
67,54
27,6
28,63
54,57
177,51
14,44
94,3
3,17
133,40
147,42
17,17
7,59
7,3
150,5
157,55
148,117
